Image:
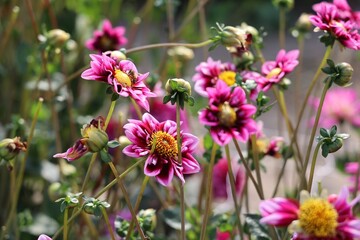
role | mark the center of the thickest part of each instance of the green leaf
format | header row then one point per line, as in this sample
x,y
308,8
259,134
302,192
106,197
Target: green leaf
x,y
324,150
173,84
172,218
105,156
191,101
113,144
255,228
328,70
114,97
333,131
63,206
324,133
330,63
166,99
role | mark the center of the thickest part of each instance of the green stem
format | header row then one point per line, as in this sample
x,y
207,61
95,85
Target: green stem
x,y
108,223
208,192
357,180
137,205
256,162
101,192
282,22
164,45
127,200
313,163
20,177
65,234
314,128
233,190
279,178
248,170
178,140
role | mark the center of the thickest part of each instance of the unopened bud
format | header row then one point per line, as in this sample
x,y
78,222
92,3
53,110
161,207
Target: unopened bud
x,y
335,145
177,85
233,36
345,72
94,138
287,4
116,55
181,53
148,219
303,24
57,37
10,147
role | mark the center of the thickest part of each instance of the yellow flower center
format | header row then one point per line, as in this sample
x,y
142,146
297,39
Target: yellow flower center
x,y
228,77
164,144
122,78
275,72
227,115
318,218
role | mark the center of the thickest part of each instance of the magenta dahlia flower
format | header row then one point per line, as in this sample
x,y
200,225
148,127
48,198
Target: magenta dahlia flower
x,y
123,76
228,115
107,39
44,237
351,168
340,105
274,71
209,72
94,139
313,218
338,20
158,141
221,183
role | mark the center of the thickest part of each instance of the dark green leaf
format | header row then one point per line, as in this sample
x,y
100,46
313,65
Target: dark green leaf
x,y
172,218
324,133
114,97
328,70
324,150
113,144
255,228
333,131
330,63
166,99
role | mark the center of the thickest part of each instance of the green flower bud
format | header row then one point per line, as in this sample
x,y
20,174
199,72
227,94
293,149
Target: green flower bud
x,y
287,4
232,36
303,23
177,85
181,53
57,37
345,72
10,147
335,145
95,139
148,219
117,55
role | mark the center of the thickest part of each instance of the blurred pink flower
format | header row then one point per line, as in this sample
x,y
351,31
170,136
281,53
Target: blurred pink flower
x,y
340,105
108,38
209,72
228,114
351,168
122,76
313,218
158,141
338,20
274,71
221,182
44,237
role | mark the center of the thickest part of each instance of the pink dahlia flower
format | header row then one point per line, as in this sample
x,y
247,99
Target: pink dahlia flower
x,y
94,139
208,73
44,237
274,71
158,141
339,22
313,218
228,115
107,39
352,168
123,76
221,182
340,105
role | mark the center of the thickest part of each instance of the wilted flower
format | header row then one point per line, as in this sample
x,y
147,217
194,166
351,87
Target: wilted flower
x,y
313,217
221,182
94,139
108,38
228,114
123,76
340,105
275,71
209,72
158,141
10,147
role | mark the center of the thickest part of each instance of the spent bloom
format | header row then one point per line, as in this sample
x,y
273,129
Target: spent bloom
x,y
338,20
158,141
94,139
108,38
209,72
275,71
10,147
228,114
122,75
313,217
340,105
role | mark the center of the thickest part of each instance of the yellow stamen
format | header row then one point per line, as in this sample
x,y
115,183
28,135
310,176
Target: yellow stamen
x,y
318,218
122,78
164,144
228,77
274,73
227,115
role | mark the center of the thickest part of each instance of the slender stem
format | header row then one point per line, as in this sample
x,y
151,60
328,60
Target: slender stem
x,y
313,164
137,205
357,180
65,234
208,192
127,199
19,180
279,177
164,45
110,229
178,140
10,26
233,189
314,128
282,22
299,68
248,170
256,162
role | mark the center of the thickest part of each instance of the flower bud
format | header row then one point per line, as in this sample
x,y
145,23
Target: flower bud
x,y
287,4
303,24
10,147
94,138
345,72
57,37
116,55
177,85
233,36
148,219
335,145
181,53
